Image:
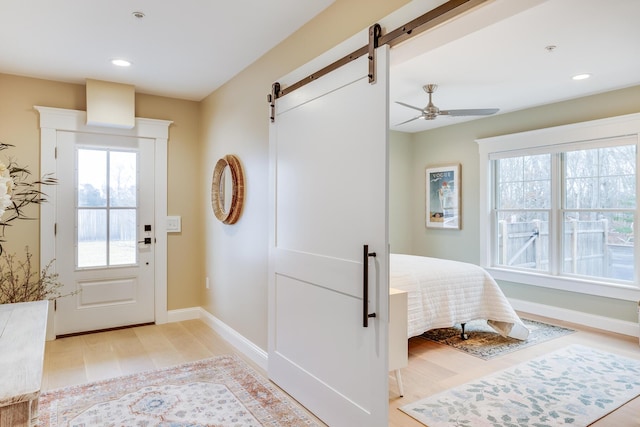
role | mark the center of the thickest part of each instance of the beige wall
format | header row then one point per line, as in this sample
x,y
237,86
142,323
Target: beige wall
x,y
235,121
19,125
457,144
185,264
402,188
231,120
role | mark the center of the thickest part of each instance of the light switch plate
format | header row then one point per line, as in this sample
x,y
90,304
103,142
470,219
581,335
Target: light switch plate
x,y
174,224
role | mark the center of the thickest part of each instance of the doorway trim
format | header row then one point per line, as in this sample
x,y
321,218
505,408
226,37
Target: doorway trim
x,y
53,120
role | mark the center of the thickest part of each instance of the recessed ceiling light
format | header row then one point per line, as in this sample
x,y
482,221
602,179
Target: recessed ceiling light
x,y
581,76
121,62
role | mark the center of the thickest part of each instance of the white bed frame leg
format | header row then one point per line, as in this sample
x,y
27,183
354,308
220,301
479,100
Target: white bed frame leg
x,y
399,381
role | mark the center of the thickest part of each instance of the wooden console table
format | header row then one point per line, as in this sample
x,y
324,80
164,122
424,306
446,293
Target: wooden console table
x,y
23,328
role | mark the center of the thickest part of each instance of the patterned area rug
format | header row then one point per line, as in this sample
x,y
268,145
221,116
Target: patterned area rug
x,y
484,342
576,386
222,392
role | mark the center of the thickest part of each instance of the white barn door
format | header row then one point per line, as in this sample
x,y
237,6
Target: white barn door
x,y
328,195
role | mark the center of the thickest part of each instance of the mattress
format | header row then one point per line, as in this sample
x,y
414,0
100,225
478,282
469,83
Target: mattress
x,y
443,293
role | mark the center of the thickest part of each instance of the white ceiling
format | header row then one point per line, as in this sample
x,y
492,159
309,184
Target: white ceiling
x,y
182,49
187,49
505,65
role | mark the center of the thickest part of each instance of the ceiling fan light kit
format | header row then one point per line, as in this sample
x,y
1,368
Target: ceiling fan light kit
x,y
430,112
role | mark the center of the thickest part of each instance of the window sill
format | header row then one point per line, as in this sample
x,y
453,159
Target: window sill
x,y
589,287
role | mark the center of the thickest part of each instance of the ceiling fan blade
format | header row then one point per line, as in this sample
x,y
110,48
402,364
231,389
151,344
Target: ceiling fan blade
x,y
469,112
410,120
408,106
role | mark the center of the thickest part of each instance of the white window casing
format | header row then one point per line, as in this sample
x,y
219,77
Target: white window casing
x,y
621,130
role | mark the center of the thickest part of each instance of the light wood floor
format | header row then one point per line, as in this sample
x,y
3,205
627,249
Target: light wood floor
x,y
432,367
92,357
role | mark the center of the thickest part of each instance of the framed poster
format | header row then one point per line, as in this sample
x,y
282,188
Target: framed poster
x,y
443,197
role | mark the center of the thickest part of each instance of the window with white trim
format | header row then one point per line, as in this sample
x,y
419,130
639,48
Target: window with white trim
x,y
560,205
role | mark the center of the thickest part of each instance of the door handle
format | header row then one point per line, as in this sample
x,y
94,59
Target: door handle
x,y
146,241
365,285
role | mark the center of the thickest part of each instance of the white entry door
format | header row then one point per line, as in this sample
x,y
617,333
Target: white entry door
x,y
104,231
328,159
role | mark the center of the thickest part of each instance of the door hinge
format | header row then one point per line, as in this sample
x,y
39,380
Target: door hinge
x,y
55,229
55,153
55,305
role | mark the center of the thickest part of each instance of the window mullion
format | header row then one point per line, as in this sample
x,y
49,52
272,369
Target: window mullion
x,y
108,209
555,216
494,215
636,247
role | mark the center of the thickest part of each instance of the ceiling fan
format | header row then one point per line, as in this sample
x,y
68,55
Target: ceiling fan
x,y
430,112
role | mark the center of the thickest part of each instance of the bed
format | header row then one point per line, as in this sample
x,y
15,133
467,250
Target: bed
x,y
443,293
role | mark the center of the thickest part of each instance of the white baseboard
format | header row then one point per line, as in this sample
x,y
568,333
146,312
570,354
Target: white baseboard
x,y
183,314
260,357
246,347
591,320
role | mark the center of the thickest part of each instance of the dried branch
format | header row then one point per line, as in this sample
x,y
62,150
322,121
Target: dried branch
x,y
20,283
22,192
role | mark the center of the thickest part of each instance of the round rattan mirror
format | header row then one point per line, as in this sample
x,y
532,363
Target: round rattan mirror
x,y
227,197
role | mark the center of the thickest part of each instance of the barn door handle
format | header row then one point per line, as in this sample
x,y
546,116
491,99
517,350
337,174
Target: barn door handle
x,y
365,286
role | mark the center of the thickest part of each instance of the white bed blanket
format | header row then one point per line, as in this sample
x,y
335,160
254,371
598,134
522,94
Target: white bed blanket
x,y
442,293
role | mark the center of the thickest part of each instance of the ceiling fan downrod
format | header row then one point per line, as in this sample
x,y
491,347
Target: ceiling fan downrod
x,y
430,112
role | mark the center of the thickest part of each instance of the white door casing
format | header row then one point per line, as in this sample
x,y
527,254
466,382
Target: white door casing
x,y
54,122
328,198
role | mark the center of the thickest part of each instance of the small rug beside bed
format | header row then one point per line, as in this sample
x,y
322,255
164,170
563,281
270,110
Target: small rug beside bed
x,y
485,343
576,386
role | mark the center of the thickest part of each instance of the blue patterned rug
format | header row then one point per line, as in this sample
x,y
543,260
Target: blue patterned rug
x,y
576,386
484,342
